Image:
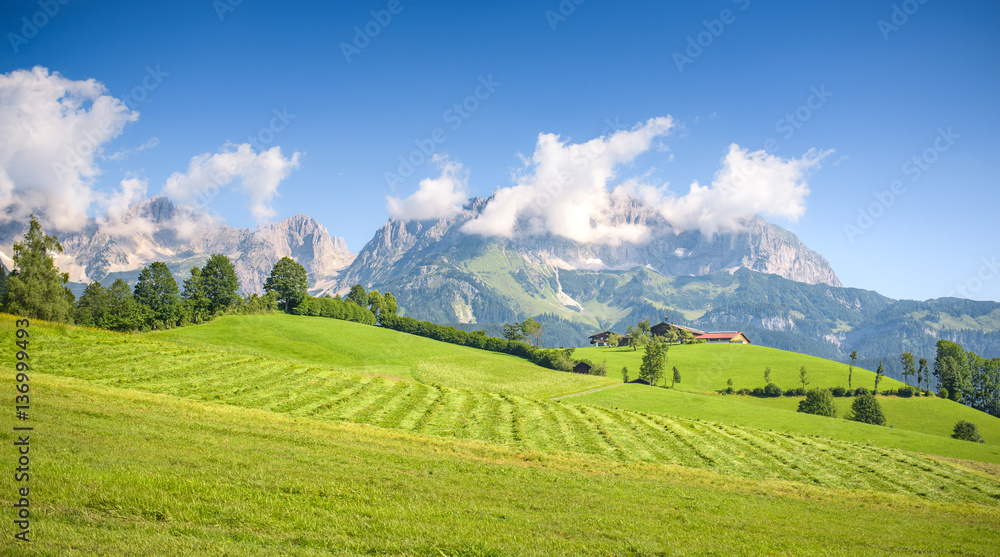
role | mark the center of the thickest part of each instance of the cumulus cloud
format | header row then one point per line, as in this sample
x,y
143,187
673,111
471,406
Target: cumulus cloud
x,y
118,218
747,184
53,129
435,198
564,189
240,167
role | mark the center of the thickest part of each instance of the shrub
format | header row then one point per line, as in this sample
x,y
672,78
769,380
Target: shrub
x,y
905,392
943,393
866,409
744,391
860,391
889,392
772,390
757,391
967,431
819,402
838,391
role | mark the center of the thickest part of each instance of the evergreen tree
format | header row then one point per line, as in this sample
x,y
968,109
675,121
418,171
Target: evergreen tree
x,y
157,290
850,368
923,373
36,288
625,374
512,332
676,378
219,283
866,409
289,282
879,373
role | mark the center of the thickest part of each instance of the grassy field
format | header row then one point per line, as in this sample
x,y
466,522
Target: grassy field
x,y
155,364
344,346
705,367
228,439
124,472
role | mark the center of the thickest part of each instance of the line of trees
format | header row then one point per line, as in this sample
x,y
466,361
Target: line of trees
x,y
35,288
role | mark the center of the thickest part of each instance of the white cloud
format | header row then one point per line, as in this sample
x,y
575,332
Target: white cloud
x,y
435,198
53,128
257,174
118,218
123,154
747,184
564,189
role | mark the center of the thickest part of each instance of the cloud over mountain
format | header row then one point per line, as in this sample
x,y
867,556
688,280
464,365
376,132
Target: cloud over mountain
x,y
747,184
573,190
53,129
240,167
564,188
435,198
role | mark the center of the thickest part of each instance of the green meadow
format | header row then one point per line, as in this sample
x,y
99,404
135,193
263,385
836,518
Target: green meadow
x,y
289,435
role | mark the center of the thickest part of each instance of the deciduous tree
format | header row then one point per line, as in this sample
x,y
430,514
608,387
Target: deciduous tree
x,y
654,361
289,282
908,368
157,290
219,283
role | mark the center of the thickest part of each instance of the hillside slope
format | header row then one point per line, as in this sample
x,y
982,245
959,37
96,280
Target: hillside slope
x,y
124,472
235,375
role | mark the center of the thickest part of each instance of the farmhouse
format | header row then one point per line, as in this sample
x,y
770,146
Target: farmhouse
x,y
664,329
729,336
600,339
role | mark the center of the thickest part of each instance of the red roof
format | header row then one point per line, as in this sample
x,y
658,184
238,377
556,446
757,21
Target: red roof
x,y
708,336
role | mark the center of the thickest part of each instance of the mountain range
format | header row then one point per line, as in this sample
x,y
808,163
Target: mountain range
x,y
761,279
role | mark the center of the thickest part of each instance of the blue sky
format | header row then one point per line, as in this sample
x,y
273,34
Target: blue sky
x,y
921,84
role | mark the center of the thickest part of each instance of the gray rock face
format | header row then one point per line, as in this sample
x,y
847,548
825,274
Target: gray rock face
x,y
95,254
400,247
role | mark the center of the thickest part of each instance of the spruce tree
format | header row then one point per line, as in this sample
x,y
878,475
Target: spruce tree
x,y
35,287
